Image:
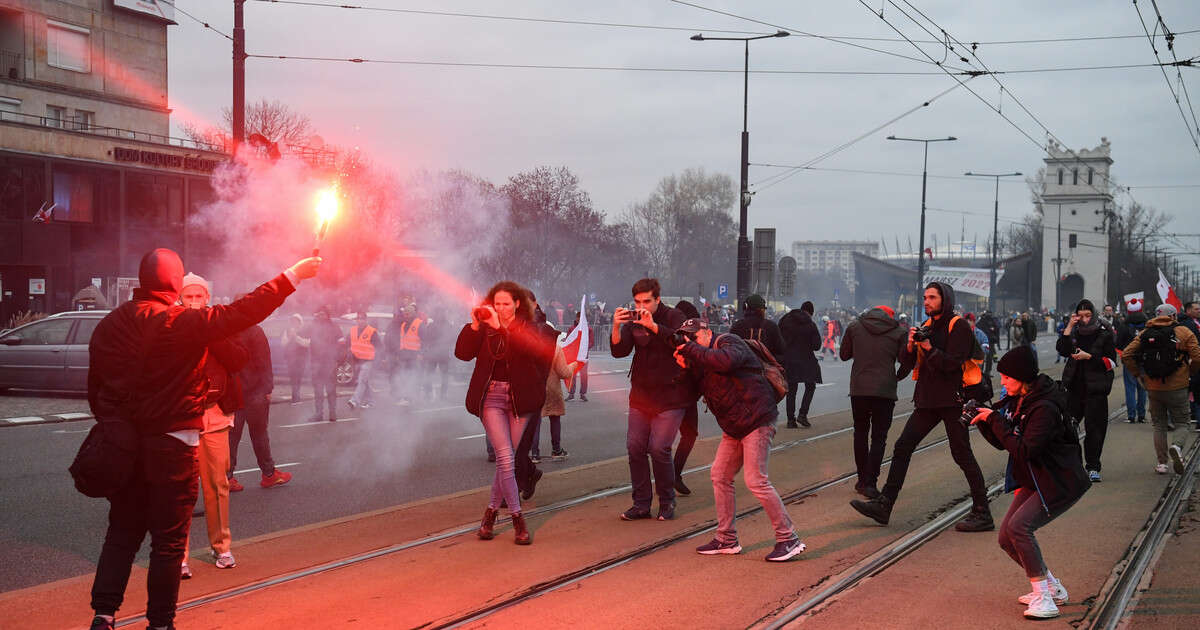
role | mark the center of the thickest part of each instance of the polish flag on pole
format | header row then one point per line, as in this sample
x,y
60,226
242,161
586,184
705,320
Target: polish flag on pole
x,y
575,346
1166,293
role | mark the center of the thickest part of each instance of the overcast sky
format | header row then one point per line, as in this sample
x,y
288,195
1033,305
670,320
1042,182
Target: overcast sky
x,y
620,131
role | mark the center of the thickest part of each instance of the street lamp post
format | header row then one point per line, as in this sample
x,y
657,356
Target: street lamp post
x,y
924,179
743,245
991,303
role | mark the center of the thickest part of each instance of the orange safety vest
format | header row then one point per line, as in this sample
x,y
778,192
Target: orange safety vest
x,y
410,336
972,372
360,345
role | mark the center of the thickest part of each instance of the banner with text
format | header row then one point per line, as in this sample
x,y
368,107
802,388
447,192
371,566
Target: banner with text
x,y
963,279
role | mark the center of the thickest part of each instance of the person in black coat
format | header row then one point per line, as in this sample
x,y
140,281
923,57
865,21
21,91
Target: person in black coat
x,y
800,340
1045,465
689,428
258,380
754,325
1087,344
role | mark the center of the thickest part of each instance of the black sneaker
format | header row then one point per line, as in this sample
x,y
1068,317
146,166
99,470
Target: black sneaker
x,y
681,488
634,514
978,520
803,420
868,491
100,623
878,510
666,512
715,547
1142,419
533,480
791,424
535,458
1131,420
559,453
786,550
583,398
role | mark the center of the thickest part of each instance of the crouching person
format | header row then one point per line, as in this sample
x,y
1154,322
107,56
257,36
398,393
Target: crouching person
x,y
730,377
1046,468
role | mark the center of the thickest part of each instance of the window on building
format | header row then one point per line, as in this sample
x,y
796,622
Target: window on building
x,y
9,106
153,199
68,46
1060,177
74,196
1091,172
55,116
84,120
1074,177
22,188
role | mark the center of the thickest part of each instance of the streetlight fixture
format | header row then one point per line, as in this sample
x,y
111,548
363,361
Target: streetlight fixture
x,y
991,302
743,246
924,179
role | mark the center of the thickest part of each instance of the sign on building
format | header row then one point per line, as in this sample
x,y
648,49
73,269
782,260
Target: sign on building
x,y
157,8
763,278
37,286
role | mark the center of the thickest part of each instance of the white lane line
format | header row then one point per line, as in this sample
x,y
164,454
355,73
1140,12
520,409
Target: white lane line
x,y
73,416
605,391
315,424
24,419
250,470
66,431
440,409
471,437
825,384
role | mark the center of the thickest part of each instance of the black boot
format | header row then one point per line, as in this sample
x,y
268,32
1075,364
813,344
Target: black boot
x,y
486,527
978,520
791,424
534,477
879,509
803,420
523,537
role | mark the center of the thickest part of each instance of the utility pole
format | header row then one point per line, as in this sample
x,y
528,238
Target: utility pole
x,y
991,303
239,74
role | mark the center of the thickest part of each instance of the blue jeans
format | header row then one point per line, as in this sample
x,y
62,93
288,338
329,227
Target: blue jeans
x,y
1135,396
649,441
748,454
362,392
503,428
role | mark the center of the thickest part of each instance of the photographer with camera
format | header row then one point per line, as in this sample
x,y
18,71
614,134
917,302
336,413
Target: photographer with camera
x,y
730,376
938,353
1087,344
658,397
1044,461
507,389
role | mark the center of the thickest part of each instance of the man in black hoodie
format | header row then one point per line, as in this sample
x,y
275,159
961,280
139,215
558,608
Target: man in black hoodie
x,y
754,325
800,340
937,366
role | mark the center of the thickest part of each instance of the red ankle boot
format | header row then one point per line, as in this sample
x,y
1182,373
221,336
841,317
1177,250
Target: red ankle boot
x,y
485,527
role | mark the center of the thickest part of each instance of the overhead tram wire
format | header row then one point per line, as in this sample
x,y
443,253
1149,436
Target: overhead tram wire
x,y
1192,133
197,20
780,177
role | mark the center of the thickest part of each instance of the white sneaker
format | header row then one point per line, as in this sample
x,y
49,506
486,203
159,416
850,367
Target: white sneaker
x,y
1056,589
224,560
1160,469
1042,607
1176,455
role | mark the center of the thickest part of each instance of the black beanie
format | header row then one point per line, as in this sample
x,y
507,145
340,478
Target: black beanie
x,y
807,307
1019,363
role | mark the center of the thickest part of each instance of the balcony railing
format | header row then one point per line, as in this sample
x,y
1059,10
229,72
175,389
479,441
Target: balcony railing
x,y
12,65
68,124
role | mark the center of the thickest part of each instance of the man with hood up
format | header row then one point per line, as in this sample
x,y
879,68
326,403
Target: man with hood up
x,y
937,367
800,340
874,341
147,359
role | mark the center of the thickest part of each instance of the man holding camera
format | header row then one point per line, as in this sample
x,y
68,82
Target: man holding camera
x,y
936,353
730,376
658,396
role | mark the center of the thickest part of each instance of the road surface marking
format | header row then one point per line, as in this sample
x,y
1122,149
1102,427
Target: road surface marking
x,y
66,431
471,437
24,419
315,424
825,384
605,391
250,470
73,416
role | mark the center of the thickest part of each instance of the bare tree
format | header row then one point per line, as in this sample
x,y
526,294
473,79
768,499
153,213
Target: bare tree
x,y
274,120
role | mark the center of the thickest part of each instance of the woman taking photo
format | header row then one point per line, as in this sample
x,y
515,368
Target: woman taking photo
x,y
1045,468
507,390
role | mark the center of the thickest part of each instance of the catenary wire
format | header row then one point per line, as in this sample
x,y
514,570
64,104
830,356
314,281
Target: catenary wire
x,y
197,20
1174,95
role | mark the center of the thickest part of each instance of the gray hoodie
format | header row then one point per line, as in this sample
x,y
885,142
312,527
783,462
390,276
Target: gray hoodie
x,y
874,341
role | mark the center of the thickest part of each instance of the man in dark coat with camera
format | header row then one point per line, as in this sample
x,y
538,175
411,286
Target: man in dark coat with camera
x,y
936,353
800,340
1087,343
146,367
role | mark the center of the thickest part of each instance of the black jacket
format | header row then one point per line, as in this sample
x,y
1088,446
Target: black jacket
x,y
800,341
874,341
225,358
1130,327
1043,444
170,394
1031,328
528,352
256,378
939,371
731,380
755,326
654,386
1093,377
990,327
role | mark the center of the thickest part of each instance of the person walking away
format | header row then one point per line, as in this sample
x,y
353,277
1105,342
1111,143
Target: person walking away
x,y
800,341
1029,328
581,377
1087,343
1135,393
1059,328
658,397
146,367
730,376
364,341
941,366
873,342
1044,461
554,408
507,389
755,325
257,381
324,351
689,428
295,353
991,328
1191,319
830,342
223,398
1163,357
435,344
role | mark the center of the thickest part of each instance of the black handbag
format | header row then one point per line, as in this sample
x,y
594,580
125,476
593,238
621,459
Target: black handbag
x,y
107,459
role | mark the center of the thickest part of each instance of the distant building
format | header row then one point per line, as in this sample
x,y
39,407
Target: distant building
x,y
836,256
84,126
1076,205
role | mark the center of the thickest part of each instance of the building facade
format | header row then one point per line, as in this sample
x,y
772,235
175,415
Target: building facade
x,y
89,179
835,256
1077,208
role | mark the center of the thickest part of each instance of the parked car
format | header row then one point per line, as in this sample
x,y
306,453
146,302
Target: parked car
x,y
50,353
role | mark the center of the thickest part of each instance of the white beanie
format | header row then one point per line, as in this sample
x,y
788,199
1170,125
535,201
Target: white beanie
x,y
192,278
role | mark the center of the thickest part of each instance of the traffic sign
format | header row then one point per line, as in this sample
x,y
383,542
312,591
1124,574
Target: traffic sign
x,y
722,291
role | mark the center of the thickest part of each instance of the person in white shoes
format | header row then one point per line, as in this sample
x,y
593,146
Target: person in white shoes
x,y
1046,464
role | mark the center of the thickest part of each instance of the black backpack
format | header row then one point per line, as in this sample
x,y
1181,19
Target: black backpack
x,y
1159,354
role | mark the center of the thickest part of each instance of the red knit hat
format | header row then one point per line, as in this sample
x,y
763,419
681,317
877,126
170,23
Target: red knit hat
x,y
887,309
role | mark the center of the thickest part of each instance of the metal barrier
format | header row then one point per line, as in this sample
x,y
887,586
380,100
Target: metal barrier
x,y
67,124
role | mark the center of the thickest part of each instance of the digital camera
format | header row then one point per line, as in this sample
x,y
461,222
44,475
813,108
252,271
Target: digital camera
x,y
922,333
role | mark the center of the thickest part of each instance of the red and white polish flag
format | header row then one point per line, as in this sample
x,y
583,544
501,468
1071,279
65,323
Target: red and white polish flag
x,y
1167,293
575,346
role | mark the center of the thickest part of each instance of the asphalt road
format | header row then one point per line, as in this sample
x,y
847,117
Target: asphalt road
x,y
368,460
